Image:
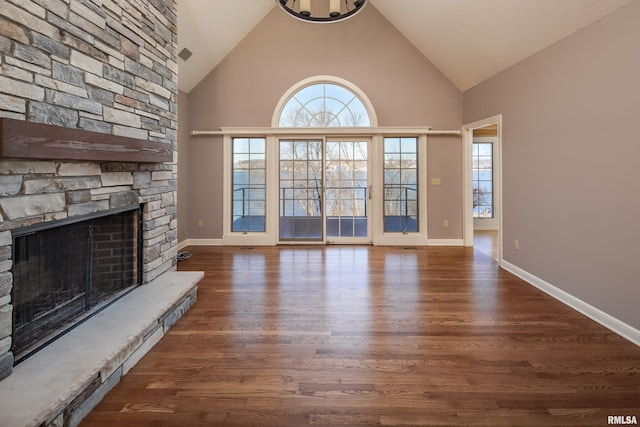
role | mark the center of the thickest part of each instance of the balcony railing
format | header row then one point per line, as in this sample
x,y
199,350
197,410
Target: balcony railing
x,y
399,216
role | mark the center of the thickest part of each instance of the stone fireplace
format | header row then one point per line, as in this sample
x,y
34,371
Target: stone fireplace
x,y
88,128
37,192
65,271
88,104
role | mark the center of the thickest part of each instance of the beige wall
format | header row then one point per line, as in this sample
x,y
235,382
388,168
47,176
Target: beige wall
x,y
570,162
404,87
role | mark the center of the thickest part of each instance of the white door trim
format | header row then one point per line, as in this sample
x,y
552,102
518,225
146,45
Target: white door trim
x,y
467,175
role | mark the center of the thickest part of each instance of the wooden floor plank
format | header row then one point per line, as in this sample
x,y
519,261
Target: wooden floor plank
x,y
364,336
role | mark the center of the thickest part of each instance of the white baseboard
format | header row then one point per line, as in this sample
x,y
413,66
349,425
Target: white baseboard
x,y
615,325
488,227
199,242
220,242
446,242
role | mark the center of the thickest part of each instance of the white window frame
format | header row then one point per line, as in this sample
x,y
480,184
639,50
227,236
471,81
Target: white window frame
x,y
253,238
375,133
419,238
376,209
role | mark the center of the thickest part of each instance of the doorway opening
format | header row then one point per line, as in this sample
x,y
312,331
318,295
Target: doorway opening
x,y
483,186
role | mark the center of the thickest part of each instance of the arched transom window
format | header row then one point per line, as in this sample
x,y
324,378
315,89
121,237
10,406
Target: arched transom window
x,y
324,105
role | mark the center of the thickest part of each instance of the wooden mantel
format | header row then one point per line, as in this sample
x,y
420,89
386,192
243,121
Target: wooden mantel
x,y
29,140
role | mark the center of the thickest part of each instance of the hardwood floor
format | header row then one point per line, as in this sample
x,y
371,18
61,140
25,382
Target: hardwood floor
x,y
367,336
486,241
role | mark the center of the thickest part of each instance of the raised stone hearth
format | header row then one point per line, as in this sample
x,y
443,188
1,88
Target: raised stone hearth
x,y
41,191
61,384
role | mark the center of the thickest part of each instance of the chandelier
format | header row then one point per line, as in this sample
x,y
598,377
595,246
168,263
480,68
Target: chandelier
x,y
322,10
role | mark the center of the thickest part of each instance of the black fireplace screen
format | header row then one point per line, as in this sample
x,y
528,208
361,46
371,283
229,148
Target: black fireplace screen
x,y
63,274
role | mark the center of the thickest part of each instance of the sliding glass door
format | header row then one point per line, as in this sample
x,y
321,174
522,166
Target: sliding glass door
x,y
324,190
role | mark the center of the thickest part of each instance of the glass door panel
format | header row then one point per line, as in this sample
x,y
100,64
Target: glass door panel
x,y
347,181
301,190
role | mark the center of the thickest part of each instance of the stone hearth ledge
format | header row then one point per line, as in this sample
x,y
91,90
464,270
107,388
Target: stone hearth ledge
x,y
63,382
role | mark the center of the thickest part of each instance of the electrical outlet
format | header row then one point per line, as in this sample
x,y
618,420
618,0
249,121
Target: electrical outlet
x,y
516,245
446,223
200,223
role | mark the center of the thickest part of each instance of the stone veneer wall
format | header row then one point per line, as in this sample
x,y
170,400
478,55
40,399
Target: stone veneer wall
x,y
101,65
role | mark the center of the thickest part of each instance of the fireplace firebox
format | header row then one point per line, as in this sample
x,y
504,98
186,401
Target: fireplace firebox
x,y
65,271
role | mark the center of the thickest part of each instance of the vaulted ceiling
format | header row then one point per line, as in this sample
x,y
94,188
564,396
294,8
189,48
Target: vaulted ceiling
x,y
468,40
